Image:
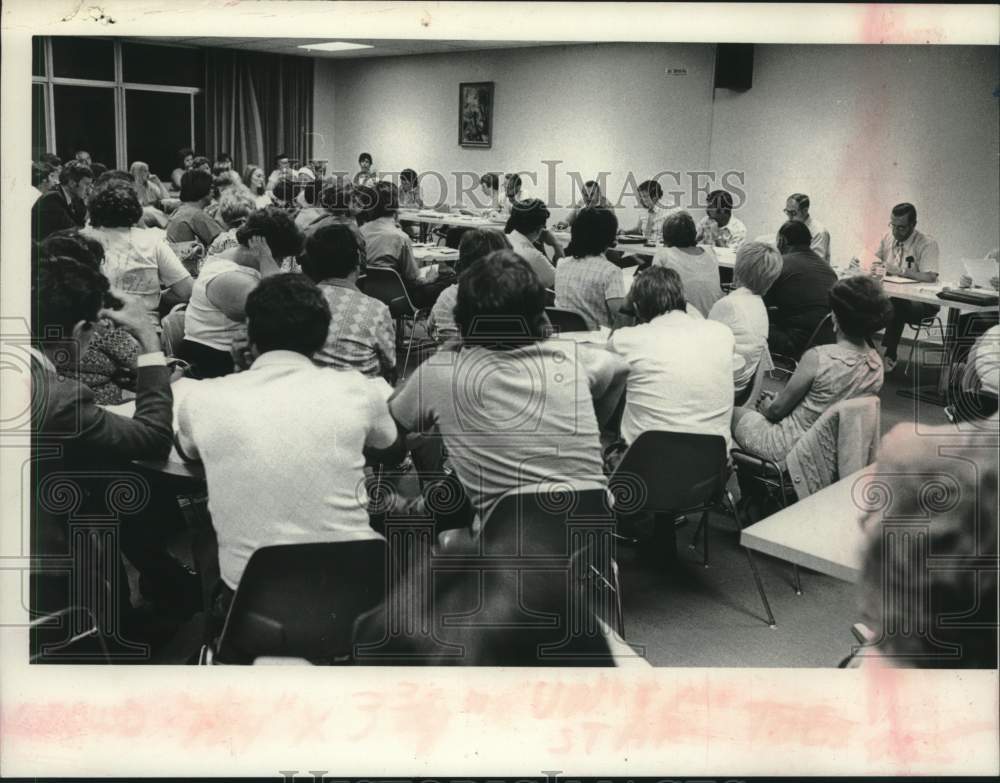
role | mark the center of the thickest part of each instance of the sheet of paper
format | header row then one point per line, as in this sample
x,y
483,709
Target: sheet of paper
x,y
981,270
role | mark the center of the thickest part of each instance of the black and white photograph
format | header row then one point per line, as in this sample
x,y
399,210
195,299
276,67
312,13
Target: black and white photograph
x,y
684,360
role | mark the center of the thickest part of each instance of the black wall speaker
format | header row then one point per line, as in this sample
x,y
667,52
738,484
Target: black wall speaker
x,y
734,66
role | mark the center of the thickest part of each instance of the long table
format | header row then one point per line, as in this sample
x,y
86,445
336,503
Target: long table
x,y
822,532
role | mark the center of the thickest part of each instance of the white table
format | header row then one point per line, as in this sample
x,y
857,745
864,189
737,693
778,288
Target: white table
x,y
433,218
822,532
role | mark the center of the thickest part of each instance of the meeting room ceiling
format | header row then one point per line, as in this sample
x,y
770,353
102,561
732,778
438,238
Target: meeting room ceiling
x,y
380,47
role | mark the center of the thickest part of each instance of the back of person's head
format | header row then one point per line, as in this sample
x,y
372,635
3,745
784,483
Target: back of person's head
x,y
277,228
64,293
196,184
656,291
386,199
860,306
40,173
225,179
284,192
114,207
801,199
795,234
512,185
336,198
478,243
651,188
71,243
409,178
51,159
115,178
592,232
287,312
758,265
527,216
235,206
721,200
201,162
906,210
365,200
500,302
492,181
679,230
308,192
331,251
74,171
99,169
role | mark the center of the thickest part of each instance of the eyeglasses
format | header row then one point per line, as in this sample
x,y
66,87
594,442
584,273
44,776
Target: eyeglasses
x,y
791,212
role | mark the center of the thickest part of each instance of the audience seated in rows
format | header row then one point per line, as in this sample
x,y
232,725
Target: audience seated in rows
x,y
362,335
827,374
680,367
475,244
216,313
306,458
137,261
799,299
757,267
697,266
190,221
585,281
511,406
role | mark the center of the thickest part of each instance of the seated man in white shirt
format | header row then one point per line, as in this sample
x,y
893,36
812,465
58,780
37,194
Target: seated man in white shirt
x,y
525,229
905,252
680,368
651,212
719,227
797,208
282,441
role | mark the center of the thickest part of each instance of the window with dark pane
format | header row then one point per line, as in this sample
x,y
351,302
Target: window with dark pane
x,y
37,120
157,125
154,64
37,55
83,58
85,120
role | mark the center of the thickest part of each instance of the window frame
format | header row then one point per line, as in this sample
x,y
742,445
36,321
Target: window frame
x,y
120,87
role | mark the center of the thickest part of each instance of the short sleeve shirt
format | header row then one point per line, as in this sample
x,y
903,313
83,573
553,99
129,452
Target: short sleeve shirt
x,y
585,285
361,335
189,221
920,247
387,245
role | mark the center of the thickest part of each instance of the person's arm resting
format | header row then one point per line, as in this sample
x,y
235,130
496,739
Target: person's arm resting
x,y
796,388
229,293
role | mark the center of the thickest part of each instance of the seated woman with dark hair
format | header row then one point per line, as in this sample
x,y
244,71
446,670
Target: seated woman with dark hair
x,y
362,334
256,180
489,184
537,416
585,281
107,365
137,261
827,374
388,246
409,190
697,266
525,227
189,221
475,244
216,312
185,157
283,195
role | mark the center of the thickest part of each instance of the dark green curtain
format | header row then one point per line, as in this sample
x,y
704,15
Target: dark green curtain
x,y
257,105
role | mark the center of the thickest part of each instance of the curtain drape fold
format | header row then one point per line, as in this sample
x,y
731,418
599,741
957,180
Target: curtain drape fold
x,y
257,105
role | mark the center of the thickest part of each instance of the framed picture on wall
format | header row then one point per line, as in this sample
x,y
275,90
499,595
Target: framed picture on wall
x,y
475,114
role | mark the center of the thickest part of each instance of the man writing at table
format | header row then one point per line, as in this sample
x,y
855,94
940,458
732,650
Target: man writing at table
x,y
905,252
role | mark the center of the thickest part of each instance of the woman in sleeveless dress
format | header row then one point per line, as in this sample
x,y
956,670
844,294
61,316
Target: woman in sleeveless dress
x,y
826,374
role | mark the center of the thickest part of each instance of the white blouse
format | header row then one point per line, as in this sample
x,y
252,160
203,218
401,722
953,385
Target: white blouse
x,y
745,314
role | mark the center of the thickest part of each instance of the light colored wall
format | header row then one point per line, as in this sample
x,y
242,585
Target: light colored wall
x,y
858,128
863,128
596,107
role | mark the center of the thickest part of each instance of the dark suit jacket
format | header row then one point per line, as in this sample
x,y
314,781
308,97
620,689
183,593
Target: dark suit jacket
x,y
801,296
52,212
80,466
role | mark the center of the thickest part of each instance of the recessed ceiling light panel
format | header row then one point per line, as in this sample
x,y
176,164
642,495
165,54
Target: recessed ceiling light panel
x,y
335,46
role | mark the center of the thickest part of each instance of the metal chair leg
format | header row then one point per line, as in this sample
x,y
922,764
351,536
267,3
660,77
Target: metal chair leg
x,y
704,525
618,599
797,580
913,347
697,532
760,588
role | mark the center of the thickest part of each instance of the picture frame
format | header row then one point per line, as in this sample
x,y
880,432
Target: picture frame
x,y
475,114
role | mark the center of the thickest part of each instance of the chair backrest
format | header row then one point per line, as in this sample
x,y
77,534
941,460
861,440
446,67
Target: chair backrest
x,y
670,472
454,236
172,325
301,600
385,284
823,334
535,519
566,320
550,297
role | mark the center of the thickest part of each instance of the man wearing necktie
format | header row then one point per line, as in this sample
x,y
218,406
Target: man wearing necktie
x,y
906,252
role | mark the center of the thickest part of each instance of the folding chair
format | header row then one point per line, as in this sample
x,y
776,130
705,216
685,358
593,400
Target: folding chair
x,y
822,335
571,526
924,324
670,474
385,284
301,600
566,320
